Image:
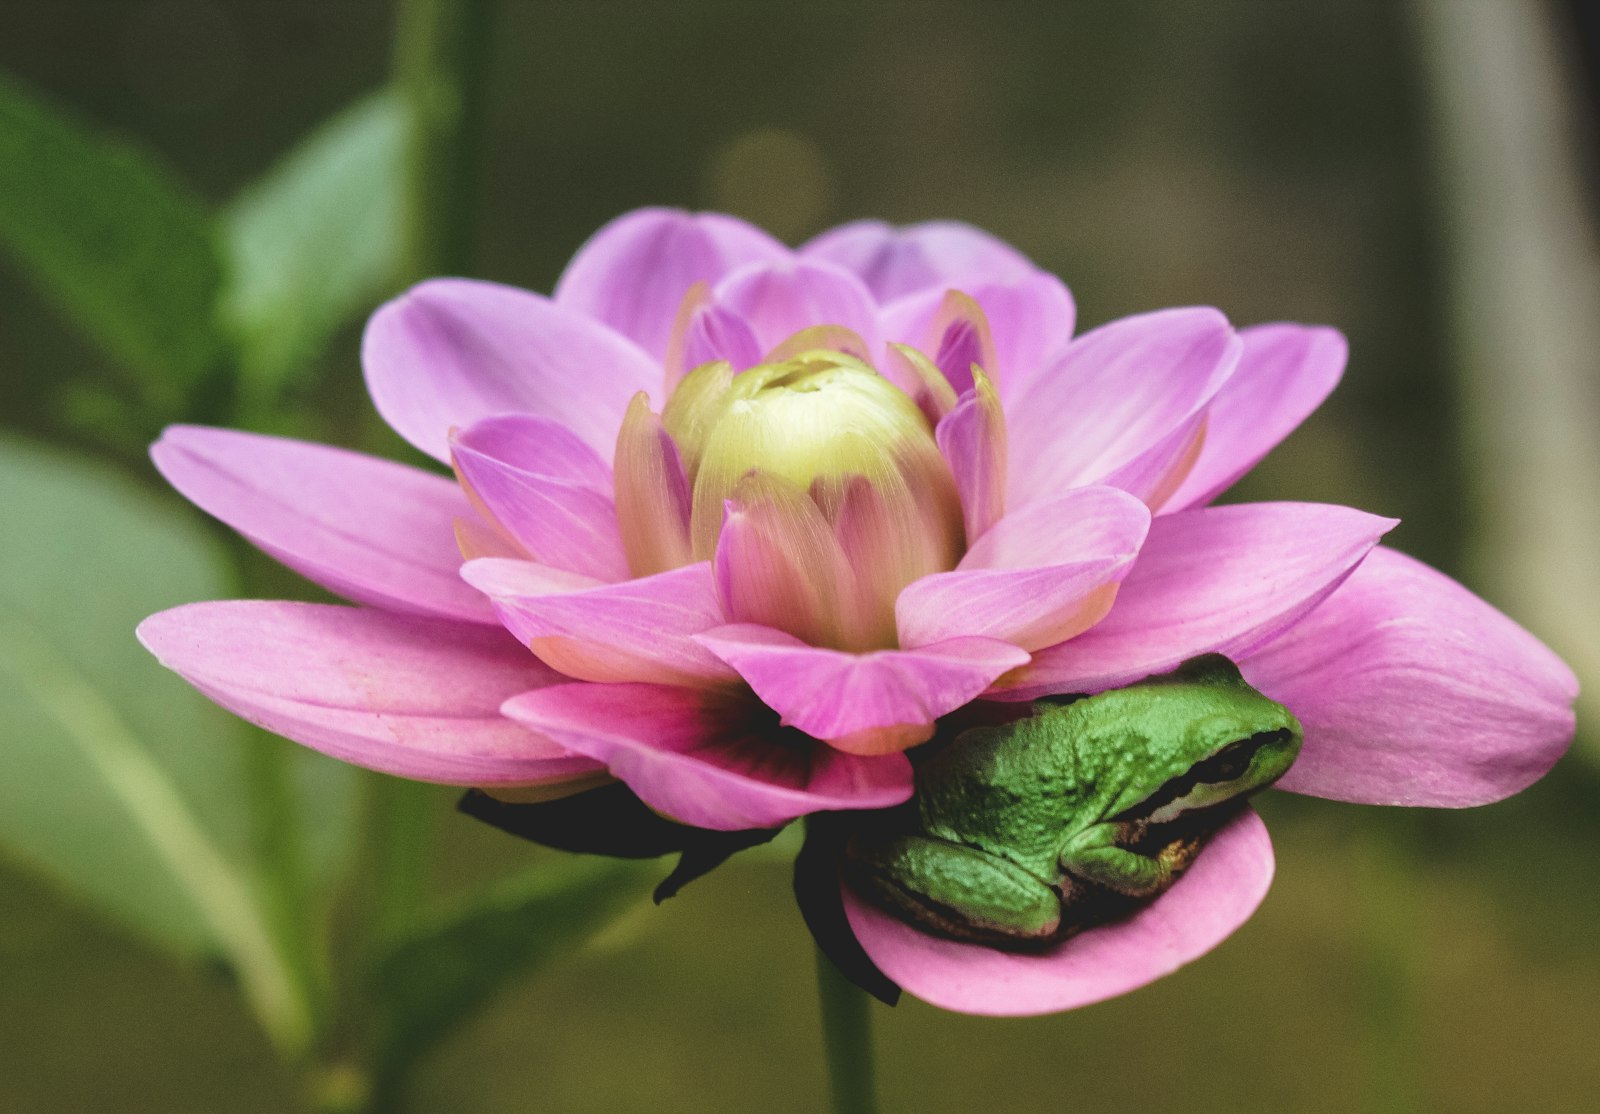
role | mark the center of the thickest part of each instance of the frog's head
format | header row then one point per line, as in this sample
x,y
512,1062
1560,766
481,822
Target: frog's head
x,y
1224,739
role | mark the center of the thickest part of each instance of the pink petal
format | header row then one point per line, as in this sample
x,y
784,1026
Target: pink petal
x,y
1223,579
894,262
538,446
570,525
710,759
654,500
1155,474
450,352
1413,691
635,630
871,703
1214,897
1284,374
959,337
779,564
634,272
1040,576
1030,319
371,530
1115,393
714,333
412,697
921,380
972,439
778,300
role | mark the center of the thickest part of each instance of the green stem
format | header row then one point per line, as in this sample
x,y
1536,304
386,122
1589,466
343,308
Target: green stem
x,y
847,1040
441,66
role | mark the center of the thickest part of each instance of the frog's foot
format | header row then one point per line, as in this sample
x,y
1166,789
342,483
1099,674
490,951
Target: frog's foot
x,y
955,890
1094,856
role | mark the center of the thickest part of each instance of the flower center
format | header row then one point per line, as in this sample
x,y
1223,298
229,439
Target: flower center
x,y
829,477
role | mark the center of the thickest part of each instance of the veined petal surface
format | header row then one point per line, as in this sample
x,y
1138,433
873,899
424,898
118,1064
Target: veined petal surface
x,y
777,300
569,524
1113,394
633,273
635,630
1284,374
1216,579
1039,576
1031,319
538,446
412,697
1413,691
450,352
876,702
708,758
371,530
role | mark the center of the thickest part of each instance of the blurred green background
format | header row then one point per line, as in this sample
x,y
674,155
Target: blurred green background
x,y
1281,160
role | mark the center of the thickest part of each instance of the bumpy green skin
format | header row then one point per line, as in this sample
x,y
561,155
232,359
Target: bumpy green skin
x,y
1010,821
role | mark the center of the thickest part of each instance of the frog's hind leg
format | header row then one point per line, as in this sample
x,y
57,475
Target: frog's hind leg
x,y
1094,856
955,890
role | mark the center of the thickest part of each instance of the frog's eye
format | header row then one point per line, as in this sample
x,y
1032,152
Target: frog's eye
x,y
1232,762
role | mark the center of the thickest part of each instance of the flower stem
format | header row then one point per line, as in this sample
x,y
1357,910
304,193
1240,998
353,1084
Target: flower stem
x,y
846,1039
441,50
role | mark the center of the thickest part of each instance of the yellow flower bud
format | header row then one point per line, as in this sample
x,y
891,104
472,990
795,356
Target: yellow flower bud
x,y
825,426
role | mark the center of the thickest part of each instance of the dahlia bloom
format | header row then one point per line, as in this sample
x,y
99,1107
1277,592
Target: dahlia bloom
x,y
738,524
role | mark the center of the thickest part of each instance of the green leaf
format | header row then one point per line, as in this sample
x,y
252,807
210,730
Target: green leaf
x,y
314,242
442,974
108,232
117,780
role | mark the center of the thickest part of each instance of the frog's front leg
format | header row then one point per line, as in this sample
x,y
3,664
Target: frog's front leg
x,y
954,889
1094,856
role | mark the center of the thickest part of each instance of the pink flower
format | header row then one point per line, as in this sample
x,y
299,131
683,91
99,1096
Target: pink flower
x,y
746,595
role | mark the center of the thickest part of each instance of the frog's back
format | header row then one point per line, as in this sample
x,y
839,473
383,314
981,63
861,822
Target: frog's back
x,y
1009,790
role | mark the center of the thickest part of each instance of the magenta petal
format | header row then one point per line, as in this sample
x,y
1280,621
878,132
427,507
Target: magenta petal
x,y
1113,394
972,440
1284,374
371,530
412,697
634,272
1155,474
565,523
1031,319
715,334
635,630
450,352
867,703
777,300
1038,577
710,759
1214,897
1223,579
894,262
538,446
1413,691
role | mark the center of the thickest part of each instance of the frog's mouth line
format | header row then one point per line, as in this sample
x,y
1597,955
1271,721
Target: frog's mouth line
x,y
1230,763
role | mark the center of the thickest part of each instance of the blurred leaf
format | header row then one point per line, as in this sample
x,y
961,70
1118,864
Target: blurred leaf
x,y
116,779
445,972
314,241
107,231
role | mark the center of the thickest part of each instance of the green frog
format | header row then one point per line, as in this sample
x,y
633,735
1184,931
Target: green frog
x,y
1085,803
